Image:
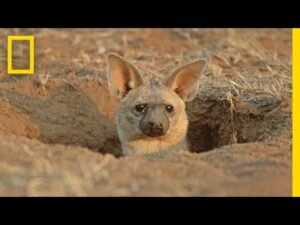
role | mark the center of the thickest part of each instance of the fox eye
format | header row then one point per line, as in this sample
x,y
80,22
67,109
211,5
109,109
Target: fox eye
x,y
140,108
169,108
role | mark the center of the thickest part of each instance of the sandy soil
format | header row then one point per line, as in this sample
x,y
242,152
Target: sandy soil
x,y
57,134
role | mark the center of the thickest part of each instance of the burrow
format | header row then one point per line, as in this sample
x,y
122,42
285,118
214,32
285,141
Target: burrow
x,y
223,116
217,117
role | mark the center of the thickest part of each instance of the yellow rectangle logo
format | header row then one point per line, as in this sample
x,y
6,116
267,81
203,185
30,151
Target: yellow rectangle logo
x,y
10,69
296,112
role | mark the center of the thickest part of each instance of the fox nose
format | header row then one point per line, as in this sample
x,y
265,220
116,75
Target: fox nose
x,y
155,129
155,122
156,125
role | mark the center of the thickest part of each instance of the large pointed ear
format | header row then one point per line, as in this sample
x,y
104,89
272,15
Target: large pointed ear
x,y
185,80
122,76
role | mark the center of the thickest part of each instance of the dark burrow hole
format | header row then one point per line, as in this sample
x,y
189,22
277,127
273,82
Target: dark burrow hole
x,y
223,116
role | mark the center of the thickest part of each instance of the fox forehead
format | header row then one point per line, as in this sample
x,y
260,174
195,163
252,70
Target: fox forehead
x,y
154,92
155,83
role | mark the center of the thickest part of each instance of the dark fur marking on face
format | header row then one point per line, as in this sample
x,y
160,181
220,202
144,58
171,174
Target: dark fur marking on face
x,y
154,82
155,122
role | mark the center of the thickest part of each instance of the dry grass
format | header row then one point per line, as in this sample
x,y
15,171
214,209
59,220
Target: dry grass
x,y
43,79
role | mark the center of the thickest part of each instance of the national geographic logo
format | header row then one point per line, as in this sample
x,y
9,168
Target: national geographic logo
x,y
10,40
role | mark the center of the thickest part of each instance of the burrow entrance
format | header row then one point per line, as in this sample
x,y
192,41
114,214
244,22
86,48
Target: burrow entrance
x,y
72,115
223,116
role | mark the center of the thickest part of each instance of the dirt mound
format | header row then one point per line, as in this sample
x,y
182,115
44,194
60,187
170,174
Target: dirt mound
x,y
57,132
66,116
30,168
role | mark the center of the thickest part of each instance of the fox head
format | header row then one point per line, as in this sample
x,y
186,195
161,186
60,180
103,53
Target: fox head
x,y
151,115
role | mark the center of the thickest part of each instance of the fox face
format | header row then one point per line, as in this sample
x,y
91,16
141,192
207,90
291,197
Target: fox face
x,y
151,116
